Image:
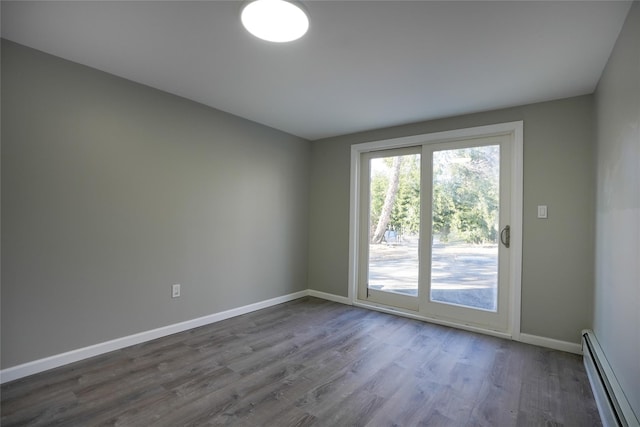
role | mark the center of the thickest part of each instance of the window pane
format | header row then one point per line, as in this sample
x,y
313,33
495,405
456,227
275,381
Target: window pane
x,y
465,207
394,224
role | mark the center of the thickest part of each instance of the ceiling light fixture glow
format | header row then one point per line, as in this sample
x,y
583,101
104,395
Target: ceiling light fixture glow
x,y
275,20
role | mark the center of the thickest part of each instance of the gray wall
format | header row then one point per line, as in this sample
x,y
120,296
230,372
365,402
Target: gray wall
x,y
557,272
617,279
112,191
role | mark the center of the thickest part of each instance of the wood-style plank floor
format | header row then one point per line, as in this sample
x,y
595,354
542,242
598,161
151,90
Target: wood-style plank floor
x,y
311,362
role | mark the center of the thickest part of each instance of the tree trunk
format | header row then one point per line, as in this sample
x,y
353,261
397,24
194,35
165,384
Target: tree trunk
x,y
389,200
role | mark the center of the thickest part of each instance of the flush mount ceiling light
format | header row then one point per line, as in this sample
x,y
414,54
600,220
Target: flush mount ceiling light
x,y
275,20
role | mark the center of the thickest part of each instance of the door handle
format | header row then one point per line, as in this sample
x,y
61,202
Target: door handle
x,y
505,236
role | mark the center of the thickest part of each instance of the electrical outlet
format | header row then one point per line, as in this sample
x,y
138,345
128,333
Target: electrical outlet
x,y
175,291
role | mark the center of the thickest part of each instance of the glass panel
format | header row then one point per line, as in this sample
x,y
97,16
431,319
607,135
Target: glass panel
x,y
394,224
464,249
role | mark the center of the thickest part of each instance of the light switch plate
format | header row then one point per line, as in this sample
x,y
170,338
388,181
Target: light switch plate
x,y
542,211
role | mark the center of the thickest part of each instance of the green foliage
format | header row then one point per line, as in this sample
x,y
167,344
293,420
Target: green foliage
x,y
443,211
379,184
466,190
405,216
465,194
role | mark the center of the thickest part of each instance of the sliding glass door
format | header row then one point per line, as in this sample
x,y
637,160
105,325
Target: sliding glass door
x,y
434,230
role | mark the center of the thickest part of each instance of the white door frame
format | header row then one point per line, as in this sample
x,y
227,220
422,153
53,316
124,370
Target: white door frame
x,y
516,132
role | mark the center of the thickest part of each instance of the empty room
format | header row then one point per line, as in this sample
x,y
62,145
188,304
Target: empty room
x,y
327,213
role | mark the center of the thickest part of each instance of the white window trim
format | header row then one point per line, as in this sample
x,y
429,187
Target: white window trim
x,y
516,130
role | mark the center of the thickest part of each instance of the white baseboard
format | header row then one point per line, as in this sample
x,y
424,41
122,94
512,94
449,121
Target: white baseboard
x,y
554,344
329,297
36,366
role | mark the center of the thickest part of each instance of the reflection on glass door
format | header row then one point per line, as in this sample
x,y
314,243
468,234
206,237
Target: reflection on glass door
x,y
464,228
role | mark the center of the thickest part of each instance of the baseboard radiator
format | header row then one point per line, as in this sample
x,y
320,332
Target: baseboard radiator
x,y
613,406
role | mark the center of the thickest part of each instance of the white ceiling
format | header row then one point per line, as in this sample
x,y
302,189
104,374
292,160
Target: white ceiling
x,y
362,65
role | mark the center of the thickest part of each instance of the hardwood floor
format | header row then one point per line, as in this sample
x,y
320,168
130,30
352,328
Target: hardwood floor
x,y
311,362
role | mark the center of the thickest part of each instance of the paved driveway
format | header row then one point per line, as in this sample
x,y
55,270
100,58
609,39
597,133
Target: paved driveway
x,y
461,274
